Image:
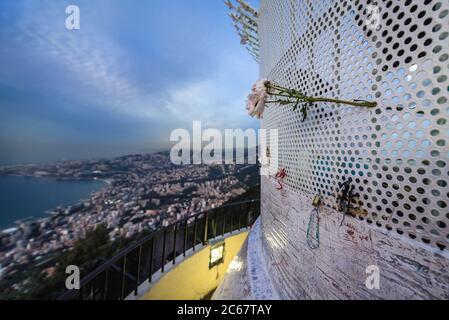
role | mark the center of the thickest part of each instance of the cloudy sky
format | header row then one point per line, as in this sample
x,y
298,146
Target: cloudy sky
x,y
134,72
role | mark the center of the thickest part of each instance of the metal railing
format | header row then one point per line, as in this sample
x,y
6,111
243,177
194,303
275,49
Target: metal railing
x,y
122,275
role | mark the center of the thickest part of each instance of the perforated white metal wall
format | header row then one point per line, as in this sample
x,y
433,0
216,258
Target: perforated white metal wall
x,y
398,153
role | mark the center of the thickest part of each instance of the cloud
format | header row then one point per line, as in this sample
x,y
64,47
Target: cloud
x,y
206,101
128,75
96,69
218,98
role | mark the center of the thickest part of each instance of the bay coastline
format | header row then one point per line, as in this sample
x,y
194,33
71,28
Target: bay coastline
x,y
41,197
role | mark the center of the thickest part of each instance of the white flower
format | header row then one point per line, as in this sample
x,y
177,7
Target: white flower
x,y
255,104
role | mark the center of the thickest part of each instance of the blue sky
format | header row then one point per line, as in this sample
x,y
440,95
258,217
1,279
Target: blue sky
x,y
135,71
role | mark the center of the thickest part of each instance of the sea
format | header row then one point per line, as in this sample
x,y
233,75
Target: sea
x,y
24,197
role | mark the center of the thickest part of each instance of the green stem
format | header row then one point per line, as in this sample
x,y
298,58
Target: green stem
x,y
279,101
275,86
294,94
288,96
366,104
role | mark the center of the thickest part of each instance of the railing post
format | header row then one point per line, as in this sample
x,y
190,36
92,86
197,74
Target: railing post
x,y
92,291
215,225
136,289
81,294
150,270
240,217
122,289
224,223
194,233
174,243
105,293
206,225
185,237
163,249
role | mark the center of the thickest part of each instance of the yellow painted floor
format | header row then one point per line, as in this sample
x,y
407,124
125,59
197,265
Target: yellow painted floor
x,y
192,279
